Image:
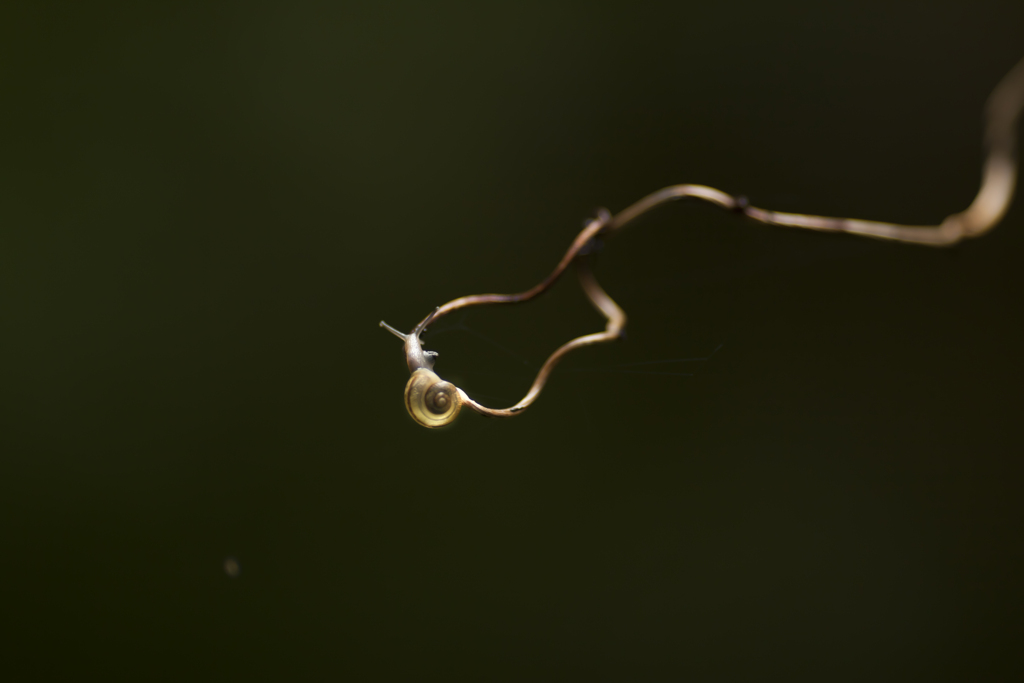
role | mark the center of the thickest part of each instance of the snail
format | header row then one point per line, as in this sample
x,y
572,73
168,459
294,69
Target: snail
x,y
430,400
433,402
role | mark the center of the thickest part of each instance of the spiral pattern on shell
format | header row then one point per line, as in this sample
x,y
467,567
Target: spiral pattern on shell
x,y
430,400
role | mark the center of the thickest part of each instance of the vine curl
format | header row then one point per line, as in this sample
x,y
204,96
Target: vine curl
x,y
998,183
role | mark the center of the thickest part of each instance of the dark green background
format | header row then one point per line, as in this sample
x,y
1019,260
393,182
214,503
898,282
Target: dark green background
x,y
205,210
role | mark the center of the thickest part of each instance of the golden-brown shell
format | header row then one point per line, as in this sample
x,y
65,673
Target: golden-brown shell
x,y
430,400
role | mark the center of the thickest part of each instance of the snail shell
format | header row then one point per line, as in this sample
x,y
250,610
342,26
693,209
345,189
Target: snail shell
x,y
430,400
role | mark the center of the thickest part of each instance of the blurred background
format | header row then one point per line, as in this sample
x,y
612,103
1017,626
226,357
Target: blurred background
x,y
206,469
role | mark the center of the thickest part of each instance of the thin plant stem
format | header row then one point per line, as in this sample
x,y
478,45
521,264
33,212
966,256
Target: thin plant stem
x,y
998,183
